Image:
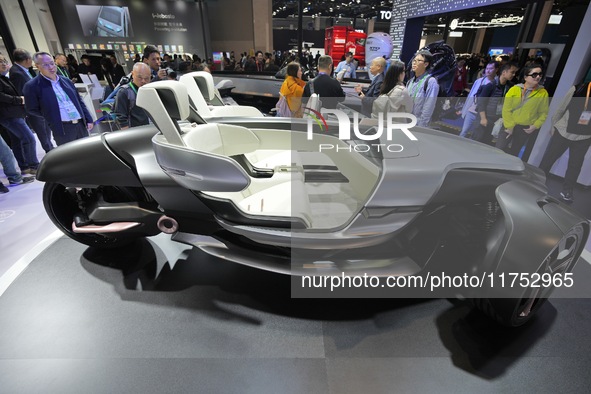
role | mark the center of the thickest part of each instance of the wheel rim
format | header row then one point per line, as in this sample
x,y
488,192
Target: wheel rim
x,y
560,260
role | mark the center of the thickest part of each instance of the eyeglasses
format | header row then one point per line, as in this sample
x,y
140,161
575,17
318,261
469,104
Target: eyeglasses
x,y
534,75
47,65
4,61
417,60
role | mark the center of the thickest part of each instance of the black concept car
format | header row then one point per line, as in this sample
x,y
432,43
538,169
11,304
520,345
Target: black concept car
x,y
318,197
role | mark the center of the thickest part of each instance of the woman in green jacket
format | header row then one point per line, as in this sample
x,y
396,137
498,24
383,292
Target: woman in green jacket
x,y
525,110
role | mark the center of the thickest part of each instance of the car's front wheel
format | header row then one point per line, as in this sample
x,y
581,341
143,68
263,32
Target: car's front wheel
x,y
553,271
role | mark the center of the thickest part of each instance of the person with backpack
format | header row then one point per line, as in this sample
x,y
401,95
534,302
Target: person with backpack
x,y
423,89
329,89
127,114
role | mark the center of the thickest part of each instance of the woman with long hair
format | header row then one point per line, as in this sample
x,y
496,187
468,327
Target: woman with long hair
x,y
293,89
394,96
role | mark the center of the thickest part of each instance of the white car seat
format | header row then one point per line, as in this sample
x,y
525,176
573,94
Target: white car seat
x,y
201,89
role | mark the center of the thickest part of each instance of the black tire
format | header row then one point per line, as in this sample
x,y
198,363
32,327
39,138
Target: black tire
x,y
514,312
61,204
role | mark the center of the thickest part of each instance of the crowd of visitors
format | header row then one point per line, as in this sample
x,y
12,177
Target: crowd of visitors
x,y
503,105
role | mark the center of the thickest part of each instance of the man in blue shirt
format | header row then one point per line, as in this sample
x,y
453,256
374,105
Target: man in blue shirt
x,y
348,66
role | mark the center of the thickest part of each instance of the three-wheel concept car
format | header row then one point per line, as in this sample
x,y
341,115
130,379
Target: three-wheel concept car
x,y
292,197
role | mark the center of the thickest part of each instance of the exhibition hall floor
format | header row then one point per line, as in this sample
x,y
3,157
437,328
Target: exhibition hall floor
x,y
76,322
161,317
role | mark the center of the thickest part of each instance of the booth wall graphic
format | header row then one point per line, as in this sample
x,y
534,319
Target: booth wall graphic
x,y
128,26
406,9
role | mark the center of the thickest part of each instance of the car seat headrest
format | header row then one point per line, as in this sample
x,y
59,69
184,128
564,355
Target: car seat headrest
x,y
195,93
166,102
205,82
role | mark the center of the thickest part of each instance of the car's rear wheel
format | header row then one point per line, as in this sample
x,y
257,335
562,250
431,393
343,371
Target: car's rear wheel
x,y
62,203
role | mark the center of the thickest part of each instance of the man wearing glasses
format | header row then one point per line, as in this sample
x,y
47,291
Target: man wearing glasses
x,y
56,99
422,88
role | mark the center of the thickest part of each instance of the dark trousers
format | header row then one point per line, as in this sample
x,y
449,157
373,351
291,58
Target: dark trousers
x,y
520,138
41,128
576,156
503,140
23,143
72,132
481,133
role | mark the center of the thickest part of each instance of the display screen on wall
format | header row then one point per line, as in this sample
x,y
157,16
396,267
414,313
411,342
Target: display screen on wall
x,y
104,21
129,25
217,57
500,50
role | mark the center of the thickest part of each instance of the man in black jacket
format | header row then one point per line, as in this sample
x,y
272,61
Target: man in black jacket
x,y
368,96
20,74
127,113
329,89
489,105
56,99
12,117
117,72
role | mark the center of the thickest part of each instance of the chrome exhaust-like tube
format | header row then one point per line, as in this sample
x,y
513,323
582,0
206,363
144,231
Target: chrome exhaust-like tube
x,y
167,225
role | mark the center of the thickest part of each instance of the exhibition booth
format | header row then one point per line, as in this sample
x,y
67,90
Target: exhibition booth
x,y
221,248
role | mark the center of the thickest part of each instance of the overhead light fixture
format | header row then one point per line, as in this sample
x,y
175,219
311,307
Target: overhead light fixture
x,y
555,19
456,33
